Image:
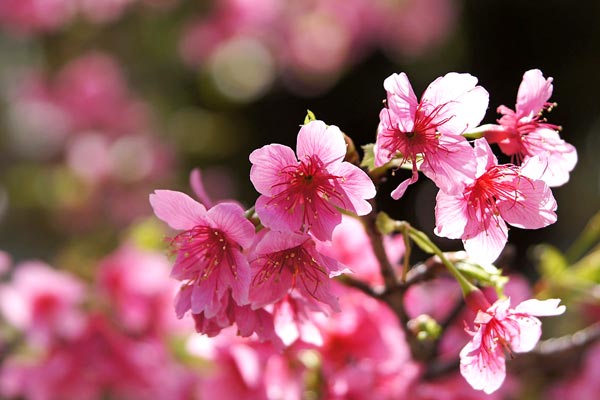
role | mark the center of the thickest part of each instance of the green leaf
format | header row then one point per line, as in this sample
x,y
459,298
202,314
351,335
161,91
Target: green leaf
x,y
310,116
368,160
385,224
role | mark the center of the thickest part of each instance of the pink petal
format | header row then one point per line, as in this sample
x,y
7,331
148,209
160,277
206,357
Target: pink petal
x,y
321,225
177,209
274,215
229,217
463,103
452,166
183,300
485,240
532,208
562,156
267,164
483,369
399,191
451,215
540,308
325,142
274,241
202,295
240,282
530,331
357,186
401,98
198,188
484,156
534,92
270,290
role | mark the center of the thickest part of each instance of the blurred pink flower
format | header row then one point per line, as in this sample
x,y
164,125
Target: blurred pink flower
x,y
209,250
137,284
351,246
431,129
43,302
525,133
305,193
499,328
283,262
364,354
499,194
584,382
93,91
247,320
295,319
35,16
101,361
246,369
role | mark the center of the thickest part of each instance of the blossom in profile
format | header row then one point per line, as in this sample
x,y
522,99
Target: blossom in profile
x,y
498,328
283,262
500,194
430,130
209,257
524,133
306,193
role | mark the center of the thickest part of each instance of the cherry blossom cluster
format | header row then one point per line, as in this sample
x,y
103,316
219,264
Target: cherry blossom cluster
x,y
254,268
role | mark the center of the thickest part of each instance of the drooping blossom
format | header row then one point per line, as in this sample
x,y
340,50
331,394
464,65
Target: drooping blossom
x,y
499,195
43,302
288,261
498,328
209,257
247,321
430,130
306,193
525,133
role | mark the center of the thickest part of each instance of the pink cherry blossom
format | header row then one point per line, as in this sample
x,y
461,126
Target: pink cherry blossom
x,y
287,261
430,130
500,194
43,302
209,251
525,133
499,328
99,362
364,354
246,320
137,284
305,193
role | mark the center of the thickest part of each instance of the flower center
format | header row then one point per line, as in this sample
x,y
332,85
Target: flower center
x,y
201,250
308,185
298,261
